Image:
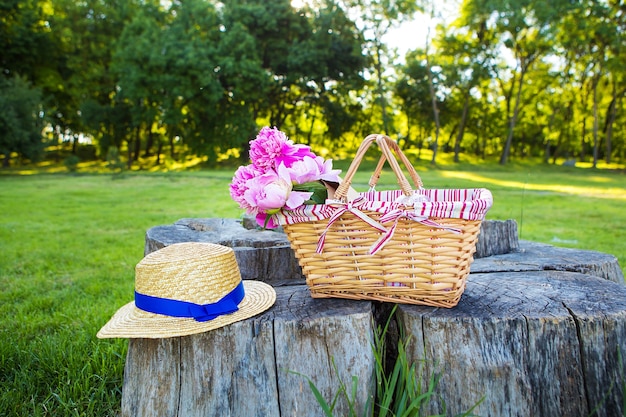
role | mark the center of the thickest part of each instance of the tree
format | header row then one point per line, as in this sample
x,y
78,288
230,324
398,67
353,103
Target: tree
x,y
526,28
592,37
27,45
333,57
21,121
31,48
616,31
413,88
245,83
377,17
87,33
277,33
467,58
284,63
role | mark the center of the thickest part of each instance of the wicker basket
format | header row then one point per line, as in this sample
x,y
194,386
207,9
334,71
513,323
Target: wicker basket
x,y
415,251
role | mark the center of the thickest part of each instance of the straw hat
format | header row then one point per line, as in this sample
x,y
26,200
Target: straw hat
x,y
188,288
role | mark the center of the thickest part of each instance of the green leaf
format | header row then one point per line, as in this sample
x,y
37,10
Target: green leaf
x,y
320,399
320,193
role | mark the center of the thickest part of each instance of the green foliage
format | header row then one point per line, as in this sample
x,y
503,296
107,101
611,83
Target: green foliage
x,y
319,190
377,19
114,161
342,393
162,79
71,163
83,100
27,46
400,391
86,152
20,120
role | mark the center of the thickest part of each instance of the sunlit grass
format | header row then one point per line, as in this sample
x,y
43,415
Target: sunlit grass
x,y
70,242
531,185
69,247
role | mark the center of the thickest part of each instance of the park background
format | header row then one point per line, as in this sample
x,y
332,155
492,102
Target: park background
x,y
116,116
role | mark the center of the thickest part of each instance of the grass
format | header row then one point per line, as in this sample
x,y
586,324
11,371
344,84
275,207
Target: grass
x,y
402,389
69,244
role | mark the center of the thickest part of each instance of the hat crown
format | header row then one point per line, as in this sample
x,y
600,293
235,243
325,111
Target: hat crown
x,y
199,273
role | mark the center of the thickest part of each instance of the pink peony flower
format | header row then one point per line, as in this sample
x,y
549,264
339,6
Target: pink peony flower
x,y
272,147
239,186
313,169
278,165
272,191
266,220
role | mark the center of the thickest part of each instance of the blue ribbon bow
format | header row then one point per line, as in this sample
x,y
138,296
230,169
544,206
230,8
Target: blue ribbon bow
x,y
200,312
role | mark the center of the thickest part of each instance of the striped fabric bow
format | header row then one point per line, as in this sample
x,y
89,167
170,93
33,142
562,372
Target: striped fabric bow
x,y
352,207
395,215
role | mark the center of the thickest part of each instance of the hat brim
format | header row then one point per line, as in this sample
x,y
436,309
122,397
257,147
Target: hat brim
x,y
131,322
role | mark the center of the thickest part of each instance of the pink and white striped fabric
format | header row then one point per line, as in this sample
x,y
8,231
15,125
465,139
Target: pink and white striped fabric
x,y
424,204
468,204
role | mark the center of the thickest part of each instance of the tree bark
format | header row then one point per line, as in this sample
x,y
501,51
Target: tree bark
x,y
533,256
531,344
596,144
512,121
459,136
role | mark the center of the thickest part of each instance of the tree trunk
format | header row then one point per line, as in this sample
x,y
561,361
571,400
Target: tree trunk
x,y
381,91
257,367
172,151
149,142
546,152
583,132
595,81
159,151
433,99
137,149
513,120
258,252
460,133
129,154
263,255
610,121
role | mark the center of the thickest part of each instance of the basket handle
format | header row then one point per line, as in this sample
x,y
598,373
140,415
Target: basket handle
x,y
417,181
386,144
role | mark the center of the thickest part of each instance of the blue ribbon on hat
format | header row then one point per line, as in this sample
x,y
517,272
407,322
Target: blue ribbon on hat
x,y
200,312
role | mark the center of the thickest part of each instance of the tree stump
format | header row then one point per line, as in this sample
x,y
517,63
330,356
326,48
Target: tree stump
x,y
538,343
257,367
539,331
497,237
263,255
533,256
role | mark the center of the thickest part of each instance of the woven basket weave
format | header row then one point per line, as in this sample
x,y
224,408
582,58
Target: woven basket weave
x,y
424,260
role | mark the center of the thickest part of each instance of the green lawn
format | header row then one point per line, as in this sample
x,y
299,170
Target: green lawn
x,y
69,244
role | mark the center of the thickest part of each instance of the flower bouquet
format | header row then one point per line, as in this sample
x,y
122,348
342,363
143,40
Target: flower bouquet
x,y
282,175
